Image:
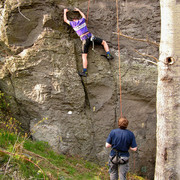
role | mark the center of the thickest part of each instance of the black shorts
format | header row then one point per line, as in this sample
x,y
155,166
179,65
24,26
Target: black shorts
x,y
86,43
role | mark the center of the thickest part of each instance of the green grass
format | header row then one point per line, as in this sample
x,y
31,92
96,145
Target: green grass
x,y
27,155
7,139
36,160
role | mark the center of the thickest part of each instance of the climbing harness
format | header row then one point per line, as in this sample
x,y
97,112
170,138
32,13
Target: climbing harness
x,y
116,159
92,38
87,34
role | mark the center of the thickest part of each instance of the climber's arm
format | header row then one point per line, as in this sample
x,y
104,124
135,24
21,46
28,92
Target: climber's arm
x,y
65,16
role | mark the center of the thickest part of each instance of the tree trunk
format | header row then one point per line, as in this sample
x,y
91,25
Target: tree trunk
x,y
168,94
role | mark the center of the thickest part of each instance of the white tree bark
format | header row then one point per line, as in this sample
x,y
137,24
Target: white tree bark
x,y
168,94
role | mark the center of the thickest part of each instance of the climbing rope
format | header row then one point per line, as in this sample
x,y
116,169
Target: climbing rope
x,y
120,91
117,12
119,55
88,12
118,33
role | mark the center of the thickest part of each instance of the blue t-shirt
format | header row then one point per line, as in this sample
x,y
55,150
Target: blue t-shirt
x,y
121,140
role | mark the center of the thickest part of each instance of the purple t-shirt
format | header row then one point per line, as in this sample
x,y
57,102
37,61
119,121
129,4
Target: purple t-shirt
x,y
79,26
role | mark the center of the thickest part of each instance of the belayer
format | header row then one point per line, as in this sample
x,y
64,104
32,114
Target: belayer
x,y
79,25
120,140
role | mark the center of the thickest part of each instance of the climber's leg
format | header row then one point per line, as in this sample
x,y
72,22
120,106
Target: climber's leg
x,y
84,59
105,45
85,46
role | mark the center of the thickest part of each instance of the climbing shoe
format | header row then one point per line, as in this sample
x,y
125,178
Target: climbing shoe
x,y
109,57
84,74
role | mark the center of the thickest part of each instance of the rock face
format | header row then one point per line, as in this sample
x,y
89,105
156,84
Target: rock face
x,y
39,63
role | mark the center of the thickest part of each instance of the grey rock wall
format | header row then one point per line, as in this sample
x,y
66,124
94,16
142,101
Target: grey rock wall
x,y
39,63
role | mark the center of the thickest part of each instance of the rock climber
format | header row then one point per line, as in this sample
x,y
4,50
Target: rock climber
x,y
79,25
120,140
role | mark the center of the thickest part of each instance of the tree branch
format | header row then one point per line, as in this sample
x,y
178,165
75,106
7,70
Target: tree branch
x,y
37,155
147,55
147,60
136,39
14,154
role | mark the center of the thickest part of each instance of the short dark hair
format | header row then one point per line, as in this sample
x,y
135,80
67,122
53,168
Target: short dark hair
x,y
123,123
73,15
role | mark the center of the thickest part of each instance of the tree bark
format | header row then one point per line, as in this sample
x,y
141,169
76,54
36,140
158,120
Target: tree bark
x,y
168,94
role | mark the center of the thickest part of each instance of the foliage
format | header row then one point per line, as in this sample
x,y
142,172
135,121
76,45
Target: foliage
x,y
6,120
3,105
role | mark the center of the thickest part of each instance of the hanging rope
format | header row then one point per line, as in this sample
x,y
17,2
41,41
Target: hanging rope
x,y
118,33
117,12
120,101
88,12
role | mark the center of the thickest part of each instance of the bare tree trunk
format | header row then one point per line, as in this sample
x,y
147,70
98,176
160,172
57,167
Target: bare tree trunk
x,y
168,94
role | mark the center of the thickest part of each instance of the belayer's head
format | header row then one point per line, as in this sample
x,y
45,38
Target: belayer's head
x,y
73,15
123,123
